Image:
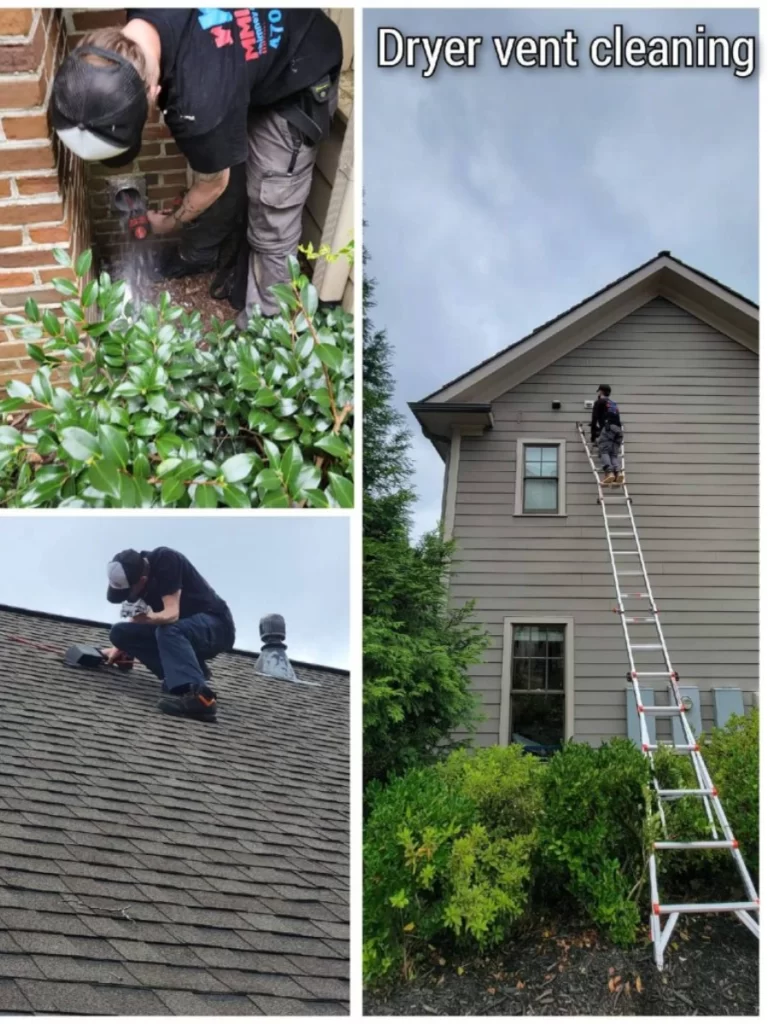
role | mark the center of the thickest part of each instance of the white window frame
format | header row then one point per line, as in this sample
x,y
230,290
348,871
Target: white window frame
x,y
506,669
520,475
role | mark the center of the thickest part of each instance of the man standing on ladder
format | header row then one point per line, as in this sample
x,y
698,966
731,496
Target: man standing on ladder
x,y
608,434
247,95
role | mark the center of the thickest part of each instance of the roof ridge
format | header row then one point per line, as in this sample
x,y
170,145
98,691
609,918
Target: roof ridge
x,y
589,298
59,617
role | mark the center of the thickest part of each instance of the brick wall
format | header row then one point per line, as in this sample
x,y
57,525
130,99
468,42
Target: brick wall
x,y
160,159
42,185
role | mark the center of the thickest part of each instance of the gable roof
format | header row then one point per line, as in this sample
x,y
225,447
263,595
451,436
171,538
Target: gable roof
x,y
663,276
153,865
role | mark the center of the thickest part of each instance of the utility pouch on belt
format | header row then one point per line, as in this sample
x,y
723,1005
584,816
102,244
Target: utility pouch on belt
x,y
310,112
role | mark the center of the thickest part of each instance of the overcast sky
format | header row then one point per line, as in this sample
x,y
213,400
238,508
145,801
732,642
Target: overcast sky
x,y
497,198
258,564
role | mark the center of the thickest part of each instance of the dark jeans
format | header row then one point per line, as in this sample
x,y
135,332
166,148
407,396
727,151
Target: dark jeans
x,y
214,236
174,652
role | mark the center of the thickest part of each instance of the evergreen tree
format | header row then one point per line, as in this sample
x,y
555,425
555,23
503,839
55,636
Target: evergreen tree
x,y
416,649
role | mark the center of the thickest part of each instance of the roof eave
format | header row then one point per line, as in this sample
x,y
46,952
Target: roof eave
x,y
441,420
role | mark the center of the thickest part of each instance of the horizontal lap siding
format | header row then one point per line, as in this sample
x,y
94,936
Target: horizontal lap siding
x,y
689,401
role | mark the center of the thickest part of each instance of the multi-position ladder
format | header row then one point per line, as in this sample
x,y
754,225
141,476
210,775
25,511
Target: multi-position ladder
x,y
616,505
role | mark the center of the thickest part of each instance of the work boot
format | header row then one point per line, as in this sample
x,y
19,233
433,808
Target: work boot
x,y
608,480
199,703
619,480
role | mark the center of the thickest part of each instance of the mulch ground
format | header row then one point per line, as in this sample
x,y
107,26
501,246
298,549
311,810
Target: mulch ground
x,y
192,293
711,968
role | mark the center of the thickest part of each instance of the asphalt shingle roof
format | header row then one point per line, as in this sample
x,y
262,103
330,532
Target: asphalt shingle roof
x,y
153,865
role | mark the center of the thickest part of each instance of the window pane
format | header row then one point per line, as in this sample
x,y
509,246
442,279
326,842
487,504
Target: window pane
x,y
555,674
520,670
549,454
555,649
556,632
522,632
540,496
537,718
549,469
538,673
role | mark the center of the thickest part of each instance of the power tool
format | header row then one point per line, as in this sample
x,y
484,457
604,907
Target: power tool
x,y
133,208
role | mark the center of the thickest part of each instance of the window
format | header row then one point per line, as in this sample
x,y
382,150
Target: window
x,y
540,486
537,682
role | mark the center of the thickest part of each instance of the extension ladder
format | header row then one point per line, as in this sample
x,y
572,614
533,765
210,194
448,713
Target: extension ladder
x,y
620,504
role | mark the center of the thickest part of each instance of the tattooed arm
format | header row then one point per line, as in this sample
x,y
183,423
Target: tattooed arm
x,y
204,192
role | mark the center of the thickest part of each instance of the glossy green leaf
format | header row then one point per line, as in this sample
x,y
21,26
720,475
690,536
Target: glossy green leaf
x,y
342,490
237,468
330,356
79,443
105,477
235,497
18,389
114,445
83,264
9,437
333,445
65,286
205,496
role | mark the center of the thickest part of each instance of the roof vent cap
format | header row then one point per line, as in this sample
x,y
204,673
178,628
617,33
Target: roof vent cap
x,y
273,660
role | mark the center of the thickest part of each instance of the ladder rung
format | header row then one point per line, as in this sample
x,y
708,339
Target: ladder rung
x,y
622,534
665,674
673,793
629,572
626,552
651,619
634,595
660,709
682,748
646,647
706,908
622,516
699,844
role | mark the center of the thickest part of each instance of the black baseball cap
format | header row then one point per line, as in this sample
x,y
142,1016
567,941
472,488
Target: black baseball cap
x,y
123,572
98,110
605,388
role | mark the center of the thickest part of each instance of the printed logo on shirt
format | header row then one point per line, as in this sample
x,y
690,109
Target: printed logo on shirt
x,y
254,37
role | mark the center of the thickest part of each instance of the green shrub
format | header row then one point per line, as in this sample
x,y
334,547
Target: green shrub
x,y
158,412
434,863
505,784
595,834
732,757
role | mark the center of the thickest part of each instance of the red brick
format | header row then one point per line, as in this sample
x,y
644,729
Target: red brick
x,y
36,185
16,57
10,238
177,178
86,20
26,92
156,131
46,276
17,279
163,163
33,213
15,21
26,258
57,234
30,158
171,149
30,126
5,188
13,350
14,299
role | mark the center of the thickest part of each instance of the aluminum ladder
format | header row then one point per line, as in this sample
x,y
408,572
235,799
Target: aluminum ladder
x,y
618,500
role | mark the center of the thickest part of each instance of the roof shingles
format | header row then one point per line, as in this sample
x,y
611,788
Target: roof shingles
x,y
151,865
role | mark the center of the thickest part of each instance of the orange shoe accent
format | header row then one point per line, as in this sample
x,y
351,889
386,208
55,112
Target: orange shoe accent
x,y
209,702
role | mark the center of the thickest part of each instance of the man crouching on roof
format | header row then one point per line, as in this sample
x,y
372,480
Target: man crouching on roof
x,y
173,623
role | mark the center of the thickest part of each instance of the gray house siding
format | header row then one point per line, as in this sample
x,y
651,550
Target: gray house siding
x,y
689,401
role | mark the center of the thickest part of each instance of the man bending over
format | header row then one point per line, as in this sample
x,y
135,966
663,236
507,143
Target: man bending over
x,y
184,625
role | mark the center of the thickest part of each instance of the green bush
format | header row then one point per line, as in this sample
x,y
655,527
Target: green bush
x,y
732,757
596,833
433,862
158,412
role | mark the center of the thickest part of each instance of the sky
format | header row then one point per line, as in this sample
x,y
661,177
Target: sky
x,y
297,567
496,198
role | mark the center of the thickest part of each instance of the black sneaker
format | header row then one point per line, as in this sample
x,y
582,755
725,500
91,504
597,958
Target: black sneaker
x,y
200,704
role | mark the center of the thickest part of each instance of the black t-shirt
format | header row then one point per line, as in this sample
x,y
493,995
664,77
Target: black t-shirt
x,y
170,571
215,62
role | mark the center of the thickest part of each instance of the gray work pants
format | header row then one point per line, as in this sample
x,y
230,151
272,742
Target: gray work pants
x,y
609,448
279,177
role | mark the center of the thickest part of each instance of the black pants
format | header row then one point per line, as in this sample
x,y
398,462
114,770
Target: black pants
x,y
216,235
174,653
